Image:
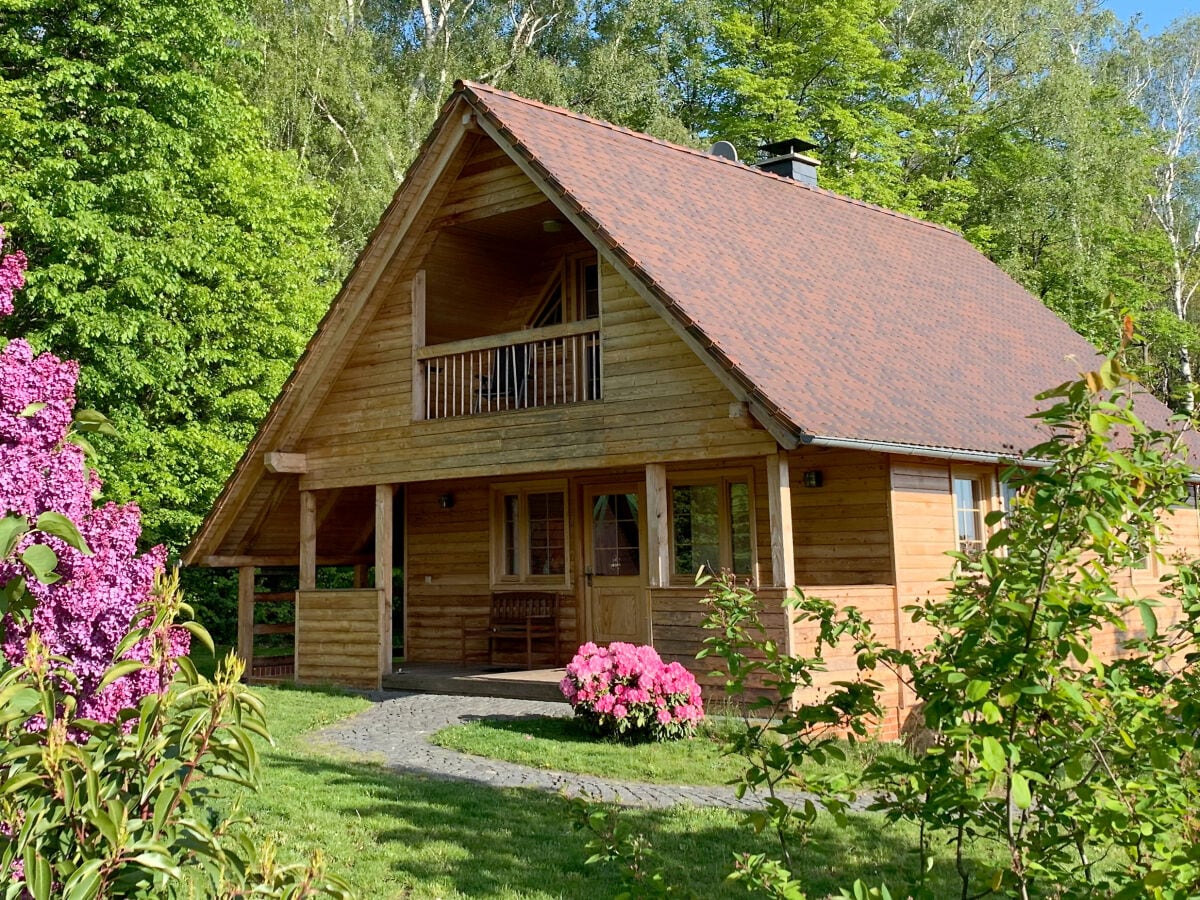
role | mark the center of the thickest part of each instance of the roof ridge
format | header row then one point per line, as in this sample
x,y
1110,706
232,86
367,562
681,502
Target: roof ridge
x,y
478,87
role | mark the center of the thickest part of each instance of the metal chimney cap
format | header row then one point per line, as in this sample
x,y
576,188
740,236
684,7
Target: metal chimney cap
x,y
783,148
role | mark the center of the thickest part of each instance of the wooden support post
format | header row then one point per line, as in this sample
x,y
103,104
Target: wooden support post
x,y
245,619
658,526
384,494
418,341
360,576
308,541
783,549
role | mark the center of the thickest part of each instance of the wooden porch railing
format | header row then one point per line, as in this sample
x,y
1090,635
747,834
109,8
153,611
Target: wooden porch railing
x,y
540,367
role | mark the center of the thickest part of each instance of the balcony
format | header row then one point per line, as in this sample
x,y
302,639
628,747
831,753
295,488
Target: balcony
x,y
535,368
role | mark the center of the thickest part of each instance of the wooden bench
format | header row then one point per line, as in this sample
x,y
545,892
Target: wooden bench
x,y
525,616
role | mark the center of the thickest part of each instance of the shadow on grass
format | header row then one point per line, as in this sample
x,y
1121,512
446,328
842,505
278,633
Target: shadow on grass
x,y
551,728
429,837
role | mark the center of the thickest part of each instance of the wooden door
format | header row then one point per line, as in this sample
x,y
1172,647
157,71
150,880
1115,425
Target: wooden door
x,y
614,564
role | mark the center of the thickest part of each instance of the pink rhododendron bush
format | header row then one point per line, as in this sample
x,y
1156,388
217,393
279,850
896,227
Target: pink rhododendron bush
x,y
627,691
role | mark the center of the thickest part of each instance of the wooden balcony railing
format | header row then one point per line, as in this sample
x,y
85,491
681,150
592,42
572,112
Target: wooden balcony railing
x,y
539,367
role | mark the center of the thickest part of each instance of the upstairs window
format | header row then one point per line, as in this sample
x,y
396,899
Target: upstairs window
x,y
572,294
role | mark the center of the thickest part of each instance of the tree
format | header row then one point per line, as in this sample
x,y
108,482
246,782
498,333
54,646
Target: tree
x,y
1167,86
178,260
352,88
328,94
815,69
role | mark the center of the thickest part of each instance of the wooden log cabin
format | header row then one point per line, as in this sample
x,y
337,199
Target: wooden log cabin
x,y
578,360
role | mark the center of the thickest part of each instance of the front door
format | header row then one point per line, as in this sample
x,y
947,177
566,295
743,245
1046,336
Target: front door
x,y
618,603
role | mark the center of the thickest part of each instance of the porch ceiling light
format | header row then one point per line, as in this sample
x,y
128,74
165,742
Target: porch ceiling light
x,y
551,226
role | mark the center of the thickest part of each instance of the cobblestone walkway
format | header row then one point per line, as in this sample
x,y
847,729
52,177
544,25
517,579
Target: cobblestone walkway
x,y
396,730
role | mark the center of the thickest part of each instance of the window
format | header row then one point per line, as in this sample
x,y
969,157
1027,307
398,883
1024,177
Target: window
x,y
572,293
530,534
1009,493
711,526
968,513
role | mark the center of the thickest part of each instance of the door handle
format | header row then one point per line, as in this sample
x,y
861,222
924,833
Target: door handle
x,y
587,573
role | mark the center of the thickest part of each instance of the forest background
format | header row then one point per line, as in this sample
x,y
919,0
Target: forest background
x,y
191,181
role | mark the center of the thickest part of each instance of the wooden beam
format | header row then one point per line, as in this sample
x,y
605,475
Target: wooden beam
x,y
360,576
507,339
285,463
779,504
418,342
384,494
308,541
270,507
658,526
283,560
277,628
245,619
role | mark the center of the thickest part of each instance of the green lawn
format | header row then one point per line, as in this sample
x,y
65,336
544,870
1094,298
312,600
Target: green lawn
x,y
399,836
563,745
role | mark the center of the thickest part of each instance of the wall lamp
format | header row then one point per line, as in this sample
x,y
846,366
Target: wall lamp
x,y
813,478
446,501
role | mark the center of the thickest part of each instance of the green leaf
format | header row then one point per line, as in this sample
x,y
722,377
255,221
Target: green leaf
x,y
84,883
977,689
32,409
16,782
159,862
119,670
37,873
89,420
61,527
1020,791
12,528
201,634
41,560
1149,620
992,755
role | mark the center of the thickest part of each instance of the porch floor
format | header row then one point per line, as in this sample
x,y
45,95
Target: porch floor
x,y
477,681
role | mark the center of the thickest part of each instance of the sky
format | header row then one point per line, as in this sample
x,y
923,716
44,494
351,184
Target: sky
x,y
1156,14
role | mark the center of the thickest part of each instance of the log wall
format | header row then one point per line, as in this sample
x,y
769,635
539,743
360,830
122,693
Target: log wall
x,y
842,530
339,636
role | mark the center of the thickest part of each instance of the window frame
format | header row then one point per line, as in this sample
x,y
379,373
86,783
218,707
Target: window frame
x,y
989,499
522,490
721,480
569,277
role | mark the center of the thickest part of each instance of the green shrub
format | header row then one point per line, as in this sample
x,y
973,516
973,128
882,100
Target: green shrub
x,y
139,807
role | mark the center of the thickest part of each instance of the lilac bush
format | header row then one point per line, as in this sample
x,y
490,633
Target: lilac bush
x,y
119,763
627,691
70,570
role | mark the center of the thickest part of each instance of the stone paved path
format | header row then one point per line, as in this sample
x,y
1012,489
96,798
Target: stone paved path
x,y
398,727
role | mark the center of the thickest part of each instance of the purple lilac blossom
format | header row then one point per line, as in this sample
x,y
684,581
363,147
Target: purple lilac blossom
x,y
85,614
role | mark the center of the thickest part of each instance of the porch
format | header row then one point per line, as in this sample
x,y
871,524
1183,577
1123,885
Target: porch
x,y
617,548
476,681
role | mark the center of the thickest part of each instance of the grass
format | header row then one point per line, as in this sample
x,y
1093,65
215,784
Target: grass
x,y
399,835
561,744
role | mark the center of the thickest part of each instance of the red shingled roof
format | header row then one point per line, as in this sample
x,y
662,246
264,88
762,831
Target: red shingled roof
x,y
855,322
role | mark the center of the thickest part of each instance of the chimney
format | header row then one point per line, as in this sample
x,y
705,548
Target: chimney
x,y
789,159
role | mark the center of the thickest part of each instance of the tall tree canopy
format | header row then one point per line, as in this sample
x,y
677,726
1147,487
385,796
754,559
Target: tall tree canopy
x,y
189,180
181,261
